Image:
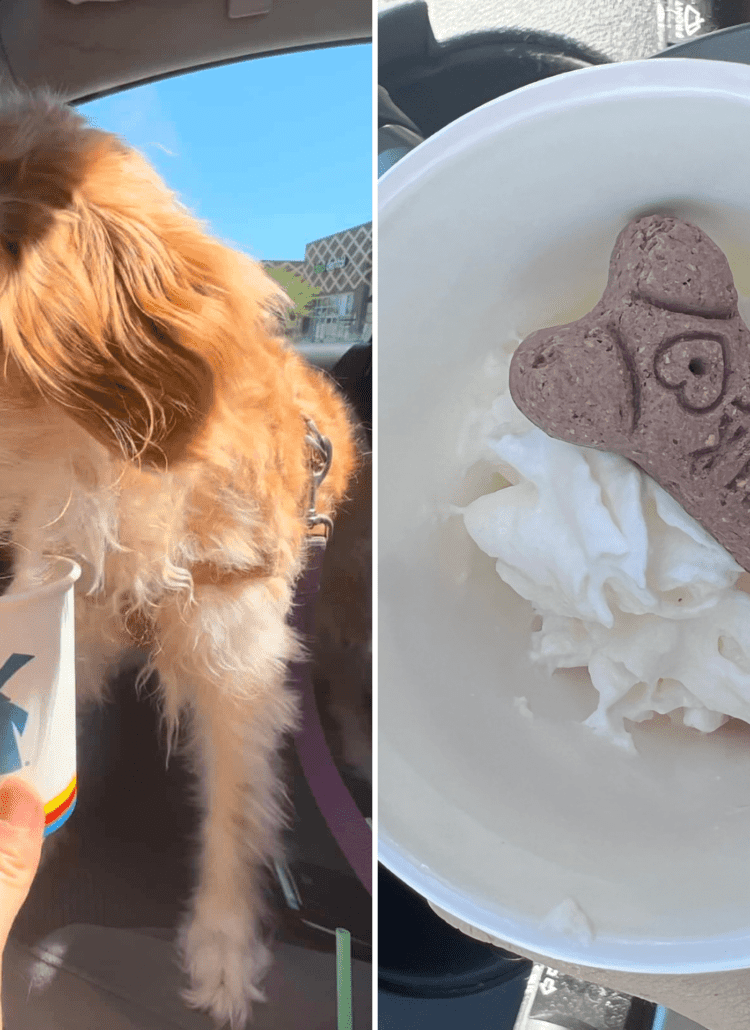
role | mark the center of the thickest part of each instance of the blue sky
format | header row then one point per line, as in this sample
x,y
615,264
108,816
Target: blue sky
x,y
273,152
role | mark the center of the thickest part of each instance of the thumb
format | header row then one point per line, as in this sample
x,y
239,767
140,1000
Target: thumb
x,y
22,822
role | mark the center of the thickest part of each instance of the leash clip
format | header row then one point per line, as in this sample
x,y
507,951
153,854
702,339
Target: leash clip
x,y
322,455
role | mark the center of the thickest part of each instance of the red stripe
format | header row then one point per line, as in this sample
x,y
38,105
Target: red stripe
x,y
53,816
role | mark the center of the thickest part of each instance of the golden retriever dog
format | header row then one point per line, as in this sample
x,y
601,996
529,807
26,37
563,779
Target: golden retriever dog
x,y
156,428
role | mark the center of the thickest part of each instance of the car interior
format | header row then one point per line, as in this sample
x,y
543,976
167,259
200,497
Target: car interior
x,y
92,946
439,60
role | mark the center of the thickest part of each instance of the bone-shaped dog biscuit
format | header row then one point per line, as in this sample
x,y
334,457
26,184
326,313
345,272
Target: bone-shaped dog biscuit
x,y
659,372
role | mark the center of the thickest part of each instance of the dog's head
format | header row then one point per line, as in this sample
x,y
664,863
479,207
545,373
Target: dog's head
x,y
115,303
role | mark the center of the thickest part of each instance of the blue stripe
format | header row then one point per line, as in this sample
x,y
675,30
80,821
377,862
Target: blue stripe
x,y
63,818
660,1018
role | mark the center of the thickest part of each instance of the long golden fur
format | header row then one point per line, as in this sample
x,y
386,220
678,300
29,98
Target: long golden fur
x,y
152,426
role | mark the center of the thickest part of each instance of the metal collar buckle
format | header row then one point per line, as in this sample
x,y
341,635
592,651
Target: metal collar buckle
x,y
320,463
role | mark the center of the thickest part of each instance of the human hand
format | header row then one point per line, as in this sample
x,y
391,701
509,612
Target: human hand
x,y
21,833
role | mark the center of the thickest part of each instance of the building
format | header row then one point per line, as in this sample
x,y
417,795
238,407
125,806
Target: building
x,y
339,267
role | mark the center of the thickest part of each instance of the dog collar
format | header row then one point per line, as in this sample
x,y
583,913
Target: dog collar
x,y
319,527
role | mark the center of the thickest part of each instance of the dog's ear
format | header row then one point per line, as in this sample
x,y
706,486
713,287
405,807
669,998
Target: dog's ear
x,y
42,164
674,266
102,306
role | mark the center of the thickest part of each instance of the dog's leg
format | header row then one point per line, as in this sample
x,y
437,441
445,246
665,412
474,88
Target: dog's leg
x,y
225,662
100,650
102,645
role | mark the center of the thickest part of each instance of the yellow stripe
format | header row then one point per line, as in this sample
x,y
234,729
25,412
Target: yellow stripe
x,y
61,798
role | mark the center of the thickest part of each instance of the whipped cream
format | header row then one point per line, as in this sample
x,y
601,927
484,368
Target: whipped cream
x,y
626,583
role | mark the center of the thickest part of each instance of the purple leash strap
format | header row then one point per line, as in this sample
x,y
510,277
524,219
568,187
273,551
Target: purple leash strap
x,y
345,821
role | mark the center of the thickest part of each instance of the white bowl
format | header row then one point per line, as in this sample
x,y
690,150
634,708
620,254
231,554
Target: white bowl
x,y
500,224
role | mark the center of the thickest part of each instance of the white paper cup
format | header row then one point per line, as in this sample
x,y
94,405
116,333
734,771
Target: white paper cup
x,y
37,690
533,830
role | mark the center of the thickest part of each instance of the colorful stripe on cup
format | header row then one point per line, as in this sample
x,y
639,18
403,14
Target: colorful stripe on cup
x,y
59,809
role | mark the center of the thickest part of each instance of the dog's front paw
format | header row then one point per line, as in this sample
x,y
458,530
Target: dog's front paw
x,y
226,964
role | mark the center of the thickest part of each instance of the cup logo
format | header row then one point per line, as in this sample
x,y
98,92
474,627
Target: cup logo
x,y
11,715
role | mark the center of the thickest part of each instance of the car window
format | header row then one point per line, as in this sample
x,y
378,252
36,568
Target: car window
x,y
275,154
